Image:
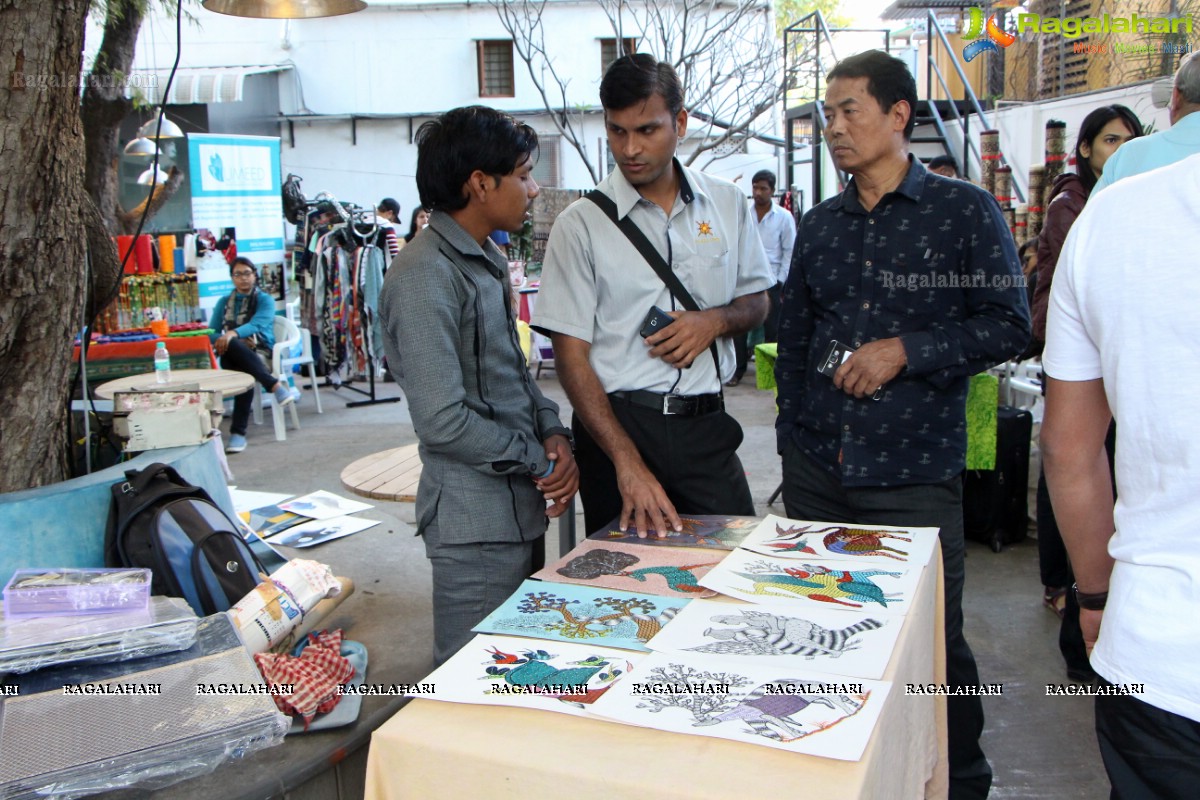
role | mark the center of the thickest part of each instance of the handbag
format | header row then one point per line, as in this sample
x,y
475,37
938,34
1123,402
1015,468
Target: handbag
x,y
638,239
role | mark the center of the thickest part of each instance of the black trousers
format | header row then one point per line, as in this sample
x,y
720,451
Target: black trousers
x,y
771,326
244,359
1147,752
811,492
741,354
694,458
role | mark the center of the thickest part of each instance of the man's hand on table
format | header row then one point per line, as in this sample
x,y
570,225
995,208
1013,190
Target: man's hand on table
x,y
644,503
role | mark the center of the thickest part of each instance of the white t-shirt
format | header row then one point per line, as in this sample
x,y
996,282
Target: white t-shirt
x,y
1125,307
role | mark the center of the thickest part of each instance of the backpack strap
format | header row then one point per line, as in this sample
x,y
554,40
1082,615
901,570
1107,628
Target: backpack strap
x,y
647,250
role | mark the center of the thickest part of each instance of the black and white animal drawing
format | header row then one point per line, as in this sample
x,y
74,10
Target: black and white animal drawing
x,y
761,633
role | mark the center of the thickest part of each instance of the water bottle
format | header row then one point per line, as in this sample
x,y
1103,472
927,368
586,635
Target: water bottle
x,y
162,363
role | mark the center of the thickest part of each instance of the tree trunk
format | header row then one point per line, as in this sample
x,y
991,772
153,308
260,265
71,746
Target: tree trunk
x,y
103,108
42,262
105,105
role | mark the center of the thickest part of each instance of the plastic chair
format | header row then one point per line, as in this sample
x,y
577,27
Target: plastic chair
x,y
287,336
285,361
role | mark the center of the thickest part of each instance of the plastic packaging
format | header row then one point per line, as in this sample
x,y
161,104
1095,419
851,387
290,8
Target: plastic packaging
x,y
83,729
277,606
29,643
162,363
52,592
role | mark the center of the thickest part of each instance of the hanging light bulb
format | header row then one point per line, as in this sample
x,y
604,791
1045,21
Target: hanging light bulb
x,y
284,9
151,129
141,147
148,177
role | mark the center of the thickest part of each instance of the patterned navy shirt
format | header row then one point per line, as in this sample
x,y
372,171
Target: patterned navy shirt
x,y
934,264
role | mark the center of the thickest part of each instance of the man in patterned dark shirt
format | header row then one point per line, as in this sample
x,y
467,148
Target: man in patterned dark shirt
x,y
919,275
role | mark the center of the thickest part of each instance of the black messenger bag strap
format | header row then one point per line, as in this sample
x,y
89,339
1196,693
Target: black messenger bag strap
x,y
638,239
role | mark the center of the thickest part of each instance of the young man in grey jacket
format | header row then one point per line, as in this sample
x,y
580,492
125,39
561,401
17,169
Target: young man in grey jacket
x,y
494,449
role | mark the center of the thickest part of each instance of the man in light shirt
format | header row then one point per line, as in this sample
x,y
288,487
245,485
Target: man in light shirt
x,y
1121,341
777,229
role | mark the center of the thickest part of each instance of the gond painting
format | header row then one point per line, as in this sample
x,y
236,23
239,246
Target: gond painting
x,y
835,541
581,614
824,716
666,571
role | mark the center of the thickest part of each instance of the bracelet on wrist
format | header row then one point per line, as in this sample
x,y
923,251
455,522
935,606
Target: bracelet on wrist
x,y
1090,601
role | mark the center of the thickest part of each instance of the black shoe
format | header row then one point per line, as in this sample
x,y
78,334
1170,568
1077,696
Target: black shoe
x,y
733,381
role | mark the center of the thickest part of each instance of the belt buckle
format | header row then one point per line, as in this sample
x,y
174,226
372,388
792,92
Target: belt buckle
x,y
666,406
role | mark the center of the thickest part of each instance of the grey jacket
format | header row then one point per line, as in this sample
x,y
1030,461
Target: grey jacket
x,y
451,342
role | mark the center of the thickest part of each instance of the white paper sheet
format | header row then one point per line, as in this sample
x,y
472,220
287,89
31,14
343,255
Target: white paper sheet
x,y
783,636
323,505
820,715
528,673
320,531
824,584
247,500
877,545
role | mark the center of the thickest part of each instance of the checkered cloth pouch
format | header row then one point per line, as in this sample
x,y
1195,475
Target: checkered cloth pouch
x,y
314,675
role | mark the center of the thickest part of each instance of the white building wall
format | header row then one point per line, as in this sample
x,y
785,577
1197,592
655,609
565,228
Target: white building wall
x,y
401,57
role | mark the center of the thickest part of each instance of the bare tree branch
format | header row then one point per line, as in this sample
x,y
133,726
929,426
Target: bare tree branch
x,y
725,52
523,21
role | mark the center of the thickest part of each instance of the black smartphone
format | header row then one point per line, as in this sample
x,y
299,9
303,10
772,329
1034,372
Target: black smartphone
x,y
655,321
834,357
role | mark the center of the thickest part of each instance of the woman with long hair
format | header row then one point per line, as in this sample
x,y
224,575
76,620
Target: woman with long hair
x,y
1102,132
420,218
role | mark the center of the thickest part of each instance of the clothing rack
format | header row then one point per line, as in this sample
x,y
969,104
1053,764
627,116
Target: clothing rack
x,y
360,226
359,217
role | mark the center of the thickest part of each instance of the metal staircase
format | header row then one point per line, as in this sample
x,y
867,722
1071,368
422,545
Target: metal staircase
x,y
942,127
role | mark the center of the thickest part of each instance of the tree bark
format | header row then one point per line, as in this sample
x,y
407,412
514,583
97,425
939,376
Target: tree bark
x,y
102,109
105,105
42,256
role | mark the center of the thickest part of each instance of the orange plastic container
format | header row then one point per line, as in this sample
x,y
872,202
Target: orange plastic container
x,y
166,253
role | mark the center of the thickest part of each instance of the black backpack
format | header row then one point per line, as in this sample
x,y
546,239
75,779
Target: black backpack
x,y
160,521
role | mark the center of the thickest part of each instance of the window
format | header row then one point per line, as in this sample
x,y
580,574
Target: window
x,y
495,58
545,171
609,53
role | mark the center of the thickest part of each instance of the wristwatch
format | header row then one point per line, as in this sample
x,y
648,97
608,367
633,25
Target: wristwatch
x,y
1090,602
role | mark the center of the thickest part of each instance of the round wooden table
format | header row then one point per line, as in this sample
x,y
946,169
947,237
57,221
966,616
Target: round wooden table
x,y
389,475
229,382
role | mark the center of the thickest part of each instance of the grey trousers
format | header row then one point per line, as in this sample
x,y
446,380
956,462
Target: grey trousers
x,y
470,581
812,492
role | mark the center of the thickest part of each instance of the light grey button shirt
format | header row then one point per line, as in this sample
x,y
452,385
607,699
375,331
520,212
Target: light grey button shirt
x,y
777,229
598,288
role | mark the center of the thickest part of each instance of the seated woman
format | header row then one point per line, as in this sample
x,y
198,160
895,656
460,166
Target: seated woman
x,y
244,327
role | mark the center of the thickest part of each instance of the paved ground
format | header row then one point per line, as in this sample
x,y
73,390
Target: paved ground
x,y
1040,747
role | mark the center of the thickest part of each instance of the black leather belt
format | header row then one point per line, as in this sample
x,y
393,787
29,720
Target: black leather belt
x,y
678,405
